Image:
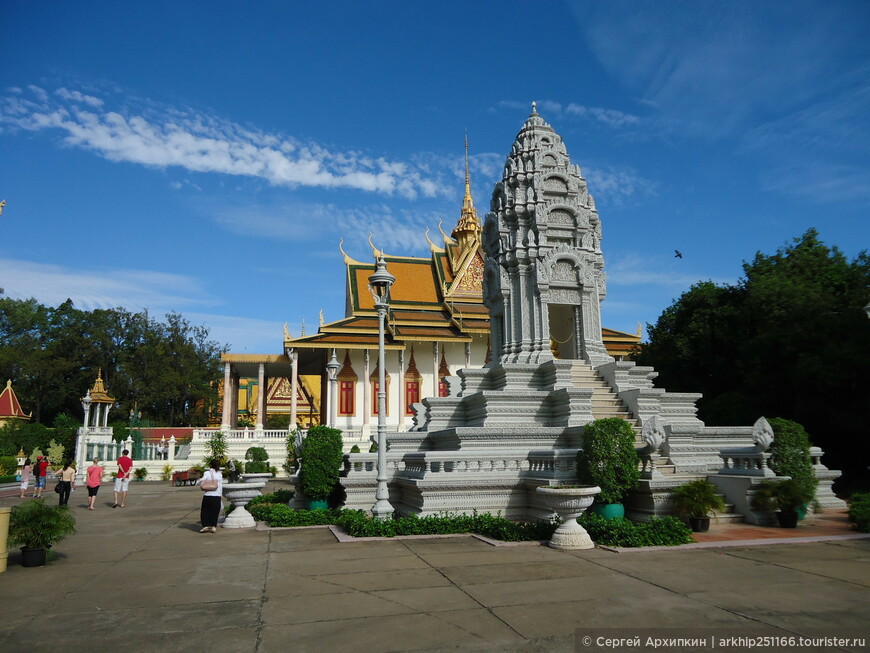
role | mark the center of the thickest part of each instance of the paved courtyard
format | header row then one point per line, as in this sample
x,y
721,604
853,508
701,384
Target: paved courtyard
x,y
143,579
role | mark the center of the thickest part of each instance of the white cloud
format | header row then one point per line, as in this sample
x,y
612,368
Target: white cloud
x,y
93,289
203,143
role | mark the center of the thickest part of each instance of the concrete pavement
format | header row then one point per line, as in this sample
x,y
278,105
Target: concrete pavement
x,y
142,578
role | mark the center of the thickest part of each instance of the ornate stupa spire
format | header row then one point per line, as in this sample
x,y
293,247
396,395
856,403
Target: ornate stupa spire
x,y
467,231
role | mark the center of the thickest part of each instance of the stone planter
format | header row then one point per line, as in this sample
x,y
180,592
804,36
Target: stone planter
x,y
569,503
239,494
256,478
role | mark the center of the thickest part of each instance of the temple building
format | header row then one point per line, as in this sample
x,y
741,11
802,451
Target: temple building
x,y
437,323
10,408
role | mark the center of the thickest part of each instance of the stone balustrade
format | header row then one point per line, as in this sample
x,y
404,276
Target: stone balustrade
x,y
745,462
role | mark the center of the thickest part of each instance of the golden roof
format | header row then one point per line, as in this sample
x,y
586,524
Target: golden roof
x,y
98,392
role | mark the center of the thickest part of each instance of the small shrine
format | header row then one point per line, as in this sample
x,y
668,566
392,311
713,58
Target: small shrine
x,y
10,407
96,404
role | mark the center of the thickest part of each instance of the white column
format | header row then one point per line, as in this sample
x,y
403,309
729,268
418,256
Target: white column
x,y
294,387
261,397
435,366
171,448
87,416
401,403
367,390
228,404
106,415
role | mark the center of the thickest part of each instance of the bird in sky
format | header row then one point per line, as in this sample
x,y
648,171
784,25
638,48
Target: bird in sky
x,y
678,254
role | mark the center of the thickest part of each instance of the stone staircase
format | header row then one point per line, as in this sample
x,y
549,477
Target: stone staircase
x,y
605,403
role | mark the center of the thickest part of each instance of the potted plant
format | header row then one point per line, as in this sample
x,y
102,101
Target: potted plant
x,y
140,473
697,500
35,527
786,497
322,451
608,459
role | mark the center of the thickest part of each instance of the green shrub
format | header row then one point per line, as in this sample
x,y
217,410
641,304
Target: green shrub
x,y
696,498
355,449
256,467
8,465
665,531
859,511
35,525
790,454
277,514
608,458
216,448
140,473
322,454
279,496
10,478
257,454
785,496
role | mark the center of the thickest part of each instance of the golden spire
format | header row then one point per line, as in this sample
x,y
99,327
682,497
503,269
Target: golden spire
x,y
468,228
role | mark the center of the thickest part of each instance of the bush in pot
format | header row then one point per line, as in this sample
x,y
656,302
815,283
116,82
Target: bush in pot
x,y
786,497
609,460
35,527
322,455
697,500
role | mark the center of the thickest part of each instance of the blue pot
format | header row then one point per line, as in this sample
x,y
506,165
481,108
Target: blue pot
x,y
317,504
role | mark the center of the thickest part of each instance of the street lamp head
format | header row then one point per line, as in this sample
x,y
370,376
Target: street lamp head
x,y
86,401
380,282
332,367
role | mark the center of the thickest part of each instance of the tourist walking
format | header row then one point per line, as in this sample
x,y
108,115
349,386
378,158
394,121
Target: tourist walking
x,y
234,475
66,482
122,478
95,477
212,489
39,472
26,472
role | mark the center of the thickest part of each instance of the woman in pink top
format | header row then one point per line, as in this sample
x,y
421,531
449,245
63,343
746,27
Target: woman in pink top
x,y
25,476
95,477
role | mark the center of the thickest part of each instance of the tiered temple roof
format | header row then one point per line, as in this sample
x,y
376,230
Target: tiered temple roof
x,y
434,299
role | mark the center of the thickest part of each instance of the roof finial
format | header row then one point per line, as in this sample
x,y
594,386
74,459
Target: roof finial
x,y
375,251
467,179
534,108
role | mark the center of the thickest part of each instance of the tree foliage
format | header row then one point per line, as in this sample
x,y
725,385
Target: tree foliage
x,y
53,354
789,339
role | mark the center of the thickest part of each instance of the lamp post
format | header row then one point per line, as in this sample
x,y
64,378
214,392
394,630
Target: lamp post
x,y
332,368
379,285
86,407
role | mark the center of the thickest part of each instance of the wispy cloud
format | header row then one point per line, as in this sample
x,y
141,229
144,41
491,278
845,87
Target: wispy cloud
x,y
612,118
396,230
636,270
201,142
93,289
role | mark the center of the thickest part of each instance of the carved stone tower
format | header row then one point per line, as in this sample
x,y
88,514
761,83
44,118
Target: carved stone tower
x,y
544,278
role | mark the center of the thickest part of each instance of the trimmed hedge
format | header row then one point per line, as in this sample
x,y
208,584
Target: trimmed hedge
x,y
790,454
859,511
667,531
322,455
664,531
608,459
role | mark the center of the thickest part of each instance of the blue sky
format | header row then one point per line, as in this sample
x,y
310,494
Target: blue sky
x,y
206,157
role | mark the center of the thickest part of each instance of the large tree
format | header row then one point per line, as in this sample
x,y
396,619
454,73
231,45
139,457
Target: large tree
x,y
53,354
790,339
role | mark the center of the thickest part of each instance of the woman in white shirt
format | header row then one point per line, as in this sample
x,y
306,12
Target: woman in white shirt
x,y
211,498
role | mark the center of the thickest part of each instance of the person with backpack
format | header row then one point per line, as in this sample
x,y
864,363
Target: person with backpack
x,y
39,472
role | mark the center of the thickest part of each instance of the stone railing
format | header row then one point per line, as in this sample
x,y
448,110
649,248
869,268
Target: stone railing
x,y
745,463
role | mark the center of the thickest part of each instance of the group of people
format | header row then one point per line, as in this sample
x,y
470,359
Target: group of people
x,y
66,479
